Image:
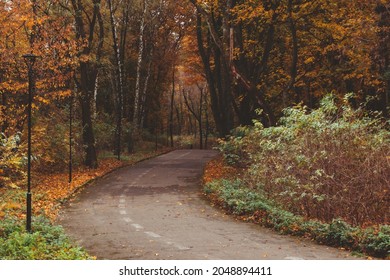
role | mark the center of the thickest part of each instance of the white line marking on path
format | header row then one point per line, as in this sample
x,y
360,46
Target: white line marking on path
x,y
293,258
183,155
152,234
127,220
123,212
177,246
137,226
180,247
134,182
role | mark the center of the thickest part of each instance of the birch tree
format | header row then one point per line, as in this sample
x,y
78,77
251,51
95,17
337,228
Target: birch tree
x,y
141,48
118,45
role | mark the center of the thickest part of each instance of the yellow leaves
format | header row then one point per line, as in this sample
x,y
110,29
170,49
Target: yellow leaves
x,y
24,18
10,206
250,11
353,76
337,30
13,86
29,23
85,58
42,100
64,93
309,60
13,185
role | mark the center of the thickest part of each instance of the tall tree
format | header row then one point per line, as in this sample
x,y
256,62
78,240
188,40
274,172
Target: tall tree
x,y
141,48
118,45
383,52
197,109
216,69
86,23
273,54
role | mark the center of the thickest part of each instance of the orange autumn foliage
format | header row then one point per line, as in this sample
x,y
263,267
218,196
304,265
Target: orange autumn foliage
x,y
217,169
54,188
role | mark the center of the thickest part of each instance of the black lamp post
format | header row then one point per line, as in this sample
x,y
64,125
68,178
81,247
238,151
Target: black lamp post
x,y
70,135
30,61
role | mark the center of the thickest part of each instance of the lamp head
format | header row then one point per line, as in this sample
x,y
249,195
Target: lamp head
x,y
30,59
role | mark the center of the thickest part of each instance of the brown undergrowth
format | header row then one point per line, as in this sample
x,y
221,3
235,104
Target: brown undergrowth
x,y
323,173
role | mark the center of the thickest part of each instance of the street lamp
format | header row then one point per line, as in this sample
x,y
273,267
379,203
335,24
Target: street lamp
x,y
71,133
30,61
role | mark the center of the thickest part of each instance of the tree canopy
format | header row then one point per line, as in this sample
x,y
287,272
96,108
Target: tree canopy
x,y
159,67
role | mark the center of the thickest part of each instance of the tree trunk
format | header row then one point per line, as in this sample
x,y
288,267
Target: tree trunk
x,y
139,65
88,135
200,119
88,73
118,78
172,107
207,124
218,80
383,10
145,91
197,112
294,60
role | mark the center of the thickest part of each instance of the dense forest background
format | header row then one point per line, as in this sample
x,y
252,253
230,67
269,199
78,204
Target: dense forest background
x,y
295,94
178,73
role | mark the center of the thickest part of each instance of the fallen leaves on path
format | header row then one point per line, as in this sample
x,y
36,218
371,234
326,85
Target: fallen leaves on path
x,y
55,188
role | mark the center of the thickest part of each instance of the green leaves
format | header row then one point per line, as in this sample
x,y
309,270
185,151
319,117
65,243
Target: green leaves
x,y
46,242
249,205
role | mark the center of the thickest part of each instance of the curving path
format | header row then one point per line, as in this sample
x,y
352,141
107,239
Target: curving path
x,y
154,210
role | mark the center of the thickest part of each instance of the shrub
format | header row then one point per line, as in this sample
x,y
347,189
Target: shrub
x,y
329,163
339,233
105,130
11,160
242,201
324,174
377,241
46,242
233,149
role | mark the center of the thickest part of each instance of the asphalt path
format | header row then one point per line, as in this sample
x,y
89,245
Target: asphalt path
x,y
155,210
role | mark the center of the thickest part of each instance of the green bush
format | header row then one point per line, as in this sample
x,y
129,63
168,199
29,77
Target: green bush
x,y
242,201
327,163
377,241
233,149
339,233
47,242
321,173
